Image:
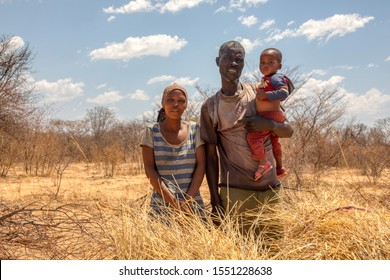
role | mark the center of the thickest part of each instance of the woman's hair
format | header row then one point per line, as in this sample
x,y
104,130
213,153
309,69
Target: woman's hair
x,y
167,90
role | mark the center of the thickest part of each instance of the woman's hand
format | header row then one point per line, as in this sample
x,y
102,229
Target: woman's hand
x,y
185,205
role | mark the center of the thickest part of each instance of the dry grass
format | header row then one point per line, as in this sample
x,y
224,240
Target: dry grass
x,y
337,217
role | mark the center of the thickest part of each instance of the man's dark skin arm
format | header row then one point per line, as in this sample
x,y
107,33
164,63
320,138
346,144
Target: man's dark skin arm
x,y
257,123
212,176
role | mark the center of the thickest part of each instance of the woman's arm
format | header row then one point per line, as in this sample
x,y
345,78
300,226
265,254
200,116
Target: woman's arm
x,y
155,178
200,167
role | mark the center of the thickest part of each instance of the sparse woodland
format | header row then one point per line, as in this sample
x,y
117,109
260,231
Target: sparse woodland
x,y
337,194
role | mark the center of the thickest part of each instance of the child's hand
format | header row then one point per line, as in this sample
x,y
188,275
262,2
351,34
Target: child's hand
x,y
260,94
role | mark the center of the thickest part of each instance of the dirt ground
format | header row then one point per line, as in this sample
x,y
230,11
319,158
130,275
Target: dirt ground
x,y
79,182
83,182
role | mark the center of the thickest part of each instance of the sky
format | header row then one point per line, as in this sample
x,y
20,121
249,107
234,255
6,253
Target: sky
x,y
121,54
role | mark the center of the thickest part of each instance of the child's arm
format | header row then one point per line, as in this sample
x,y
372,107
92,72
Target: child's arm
x,y
280,93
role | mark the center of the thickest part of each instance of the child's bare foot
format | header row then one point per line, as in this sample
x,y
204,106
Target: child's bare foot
x,y
281,172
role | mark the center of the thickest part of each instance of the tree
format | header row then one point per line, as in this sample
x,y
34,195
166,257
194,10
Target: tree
x,y
16,96
99,120
315,119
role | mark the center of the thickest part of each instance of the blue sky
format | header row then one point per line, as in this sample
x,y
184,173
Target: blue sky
x,y
121,54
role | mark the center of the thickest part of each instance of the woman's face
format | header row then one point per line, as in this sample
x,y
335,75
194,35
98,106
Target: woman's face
x,y
175,103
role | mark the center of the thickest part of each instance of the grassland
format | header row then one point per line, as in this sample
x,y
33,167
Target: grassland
x,y
87,216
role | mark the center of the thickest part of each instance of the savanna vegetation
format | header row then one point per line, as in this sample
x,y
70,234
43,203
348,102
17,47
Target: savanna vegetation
x,y
76,189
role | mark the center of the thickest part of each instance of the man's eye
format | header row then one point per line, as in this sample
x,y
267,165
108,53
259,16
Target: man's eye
x,y
227,58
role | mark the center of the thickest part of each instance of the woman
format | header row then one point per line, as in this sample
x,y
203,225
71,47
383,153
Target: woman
x,y
174,155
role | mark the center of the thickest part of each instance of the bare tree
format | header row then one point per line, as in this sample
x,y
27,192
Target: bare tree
x,y
315,119
370,149
16,96
99,120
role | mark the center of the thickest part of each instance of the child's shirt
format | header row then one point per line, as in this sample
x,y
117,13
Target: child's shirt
x,y
276,87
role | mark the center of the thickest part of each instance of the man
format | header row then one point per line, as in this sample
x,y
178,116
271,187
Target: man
x,y
225,119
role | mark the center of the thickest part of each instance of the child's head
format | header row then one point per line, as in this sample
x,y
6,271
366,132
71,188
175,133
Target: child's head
x,y
270,61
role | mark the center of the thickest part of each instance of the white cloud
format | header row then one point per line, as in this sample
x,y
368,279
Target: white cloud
x,y
248,44
313,85
221,10
184,81
317,72
160,79
131,7
106,98
370,106
323,72
344,67
111,18
174,6
248,21
139,94
372,65
267,24
13,44
277,35
388,58
240,5
171,6
61,90
366,108
291,22
132,47
323,30
101,86
335,26
187,81
254,2
16,42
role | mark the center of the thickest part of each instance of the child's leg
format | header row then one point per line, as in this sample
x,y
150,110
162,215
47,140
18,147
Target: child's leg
x,y
256,143
277,151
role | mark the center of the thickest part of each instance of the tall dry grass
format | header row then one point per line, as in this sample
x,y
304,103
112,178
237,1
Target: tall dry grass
x,y
321,221
323,224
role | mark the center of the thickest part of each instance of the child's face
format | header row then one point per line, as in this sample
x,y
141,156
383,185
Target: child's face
x,y
269,64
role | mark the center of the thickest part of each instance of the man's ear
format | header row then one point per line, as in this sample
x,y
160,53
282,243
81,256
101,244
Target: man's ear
x,y
217,61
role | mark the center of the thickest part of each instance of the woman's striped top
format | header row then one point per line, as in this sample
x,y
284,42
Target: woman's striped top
x,y
175,163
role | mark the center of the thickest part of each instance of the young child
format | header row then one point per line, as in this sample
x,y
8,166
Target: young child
x,y
273,89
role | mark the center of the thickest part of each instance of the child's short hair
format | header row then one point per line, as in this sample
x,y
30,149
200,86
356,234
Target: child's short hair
x,y
277,53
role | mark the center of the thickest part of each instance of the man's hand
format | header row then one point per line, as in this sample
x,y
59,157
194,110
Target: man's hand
x,y
217,211
257,123
260,124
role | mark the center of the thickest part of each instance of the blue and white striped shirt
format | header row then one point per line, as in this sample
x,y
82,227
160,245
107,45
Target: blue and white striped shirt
x,y
175,163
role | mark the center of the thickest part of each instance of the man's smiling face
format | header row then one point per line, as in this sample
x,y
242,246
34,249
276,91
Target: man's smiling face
x,y
231,63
